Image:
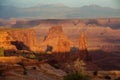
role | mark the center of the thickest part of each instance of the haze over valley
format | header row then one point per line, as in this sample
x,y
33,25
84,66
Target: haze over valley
x,y
58,11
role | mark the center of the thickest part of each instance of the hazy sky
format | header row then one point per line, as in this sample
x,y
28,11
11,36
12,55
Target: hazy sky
x,y
71,3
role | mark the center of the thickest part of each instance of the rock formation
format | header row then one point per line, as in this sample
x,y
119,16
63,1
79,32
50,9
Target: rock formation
x,y
26,37
5,41
82,42
57,40
12,59
83,47
35,70
21,39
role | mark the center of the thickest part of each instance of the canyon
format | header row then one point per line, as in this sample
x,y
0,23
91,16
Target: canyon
x,y
95,41
100,33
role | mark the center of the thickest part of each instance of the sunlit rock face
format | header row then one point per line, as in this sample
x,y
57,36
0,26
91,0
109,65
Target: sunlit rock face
x,y
5,41
82,42
19,39
25,38
57,40
83,47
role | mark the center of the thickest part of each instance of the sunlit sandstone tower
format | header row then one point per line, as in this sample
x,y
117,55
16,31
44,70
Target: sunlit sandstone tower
x,y
82,42
57,41
62,45
83,47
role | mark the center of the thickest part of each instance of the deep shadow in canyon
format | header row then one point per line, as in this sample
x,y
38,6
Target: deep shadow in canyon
x,y
103,60
20,45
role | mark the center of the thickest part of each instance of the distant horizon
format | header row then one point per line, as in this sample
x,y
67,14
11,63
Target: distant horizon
x,y
70,3
60,4
58,9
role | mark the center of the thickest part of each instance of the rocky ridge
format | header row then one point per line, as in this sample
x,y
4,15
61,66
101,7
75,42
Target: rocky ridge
x,y
12,68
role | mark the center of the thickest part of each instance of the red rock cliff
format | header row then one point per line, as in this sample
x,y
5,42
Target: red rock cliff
x,y
27,37
5,41
57,40
23,39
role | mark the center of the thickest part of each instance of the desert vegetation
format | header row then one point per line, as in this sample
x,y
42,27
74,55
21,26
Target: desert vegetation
x,y
1,51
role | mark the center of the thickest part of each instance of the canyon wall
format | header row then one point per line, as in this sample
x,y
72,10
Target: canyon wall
x,y
22,39
5,41
111,22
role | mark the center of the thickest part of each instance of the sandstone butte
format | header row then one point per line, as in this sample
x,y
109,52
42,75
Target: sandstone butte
x,y
57,41
20,39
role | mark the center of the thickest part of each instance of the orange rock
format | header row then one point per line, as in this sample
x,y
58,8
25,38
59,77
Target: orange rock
x,y
5,41
26,37
21,39
12,59
63,46
57,40
83,48
82,42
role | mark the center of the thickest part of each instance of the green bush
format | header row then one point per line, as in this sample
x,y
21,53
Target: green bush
x,y
1,51
31,56
79,66
76,76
